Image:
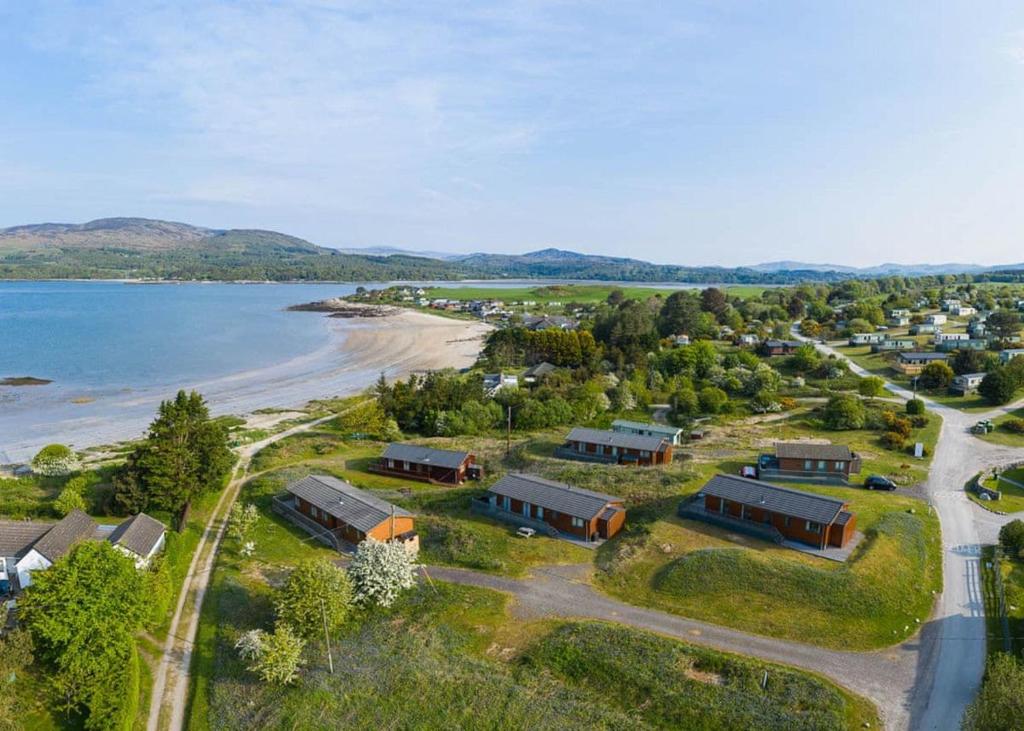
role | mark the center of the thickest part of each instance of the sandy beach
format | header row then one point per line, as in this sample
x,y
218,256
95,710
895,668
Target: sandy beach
x,y
357,351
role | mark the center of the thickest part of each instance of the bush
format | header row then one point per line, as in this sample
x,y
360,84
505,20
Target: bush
x,y
897,424
54,460
69,500
1014,426
316,598
712,400
275,656
380,571
894,440
871,387
919,421
1000,703
1011,537
915,407
844,411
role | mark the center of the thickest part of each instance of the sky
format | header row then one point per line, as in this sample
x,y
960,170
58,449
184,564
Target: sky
x,y
696,133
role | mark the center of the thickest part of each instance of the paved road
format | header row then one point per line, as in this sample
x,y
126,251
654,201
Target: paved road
x,y
952,647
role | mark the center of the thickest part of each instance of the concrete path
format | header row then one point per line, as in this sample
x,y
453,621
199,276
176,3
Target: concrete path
x,y
952,646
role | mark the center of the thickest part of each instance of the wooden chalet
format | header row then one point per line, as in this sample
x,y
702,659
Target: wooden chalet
x,y
613,447
809,462
427,464
531,499
912,363
346,513
773,348
804,517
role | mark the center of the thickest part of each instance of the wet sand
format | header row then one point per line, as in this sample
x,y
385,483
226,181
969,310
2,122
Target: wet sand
x,y
357,352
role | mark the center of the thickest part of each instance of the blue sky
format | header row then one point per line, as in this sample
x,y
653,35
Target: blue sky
x,y
688,132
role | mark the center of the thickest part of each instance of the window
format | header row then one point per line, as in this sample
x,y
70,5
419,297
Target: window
x,y
812,527
821,465
577,522
526,510
506,502
840,466
785,521
808,464
539,513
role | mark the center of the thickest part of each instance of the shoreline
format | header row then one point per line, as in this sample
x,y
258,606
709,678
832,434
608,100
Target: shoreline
x,y
357,351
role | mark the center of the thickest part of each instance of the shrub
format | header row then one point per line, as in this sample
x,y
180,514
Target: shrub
x,y
1014,426
316,597
275,656
54,460
871,387
844,411
712,400
1000,703
1011,537
70,499
894,440
915,407
919,421
380,571
897,424
242,520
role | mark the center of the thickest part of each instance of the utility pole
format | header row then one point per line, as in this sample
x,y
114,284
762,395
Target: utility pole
x,y
508,432
327,636
392,522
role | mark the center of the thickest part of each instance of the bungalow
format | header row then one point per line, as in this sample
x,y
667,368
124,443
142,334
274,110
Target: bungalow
x,y
901,321
946,337
899,312
935,319
16,540
681,340
948,304
1007,355
427,464
346,513
140,538
612,447
749,339
912,363
948,346
779,347
536,373
52,540
923,329
976,328
809,461
494,382
804,517
967,382
962,310
866,338
673,434
893,344
524,498
549,322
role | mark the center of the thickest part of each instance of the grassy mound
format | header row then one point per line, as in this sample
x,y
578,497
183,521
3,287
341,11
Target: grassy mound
x,y
876,596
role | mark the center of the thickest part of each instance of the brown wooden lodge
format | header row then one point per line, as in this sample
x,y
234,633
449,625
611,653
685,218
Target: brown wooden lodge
x,y
804,517
612,447
809,462
427,464
348,513
530,499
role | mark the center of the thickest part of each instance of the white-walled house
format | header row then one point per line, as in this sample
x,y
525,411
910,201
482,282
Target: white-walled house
x,y
140,538
55,540
936,319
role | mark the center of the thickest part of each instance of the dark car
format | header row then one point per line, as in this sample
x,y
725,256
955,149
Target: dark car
x,y
877,482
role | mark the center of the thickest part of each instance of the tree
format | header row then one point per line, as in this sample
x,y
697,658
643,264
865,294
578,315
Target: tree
x,y
317,593
805,359
242,521
380,571
54,460
966,360
936,375
15,659
713,300
83,613
1000,703
712,399
679,315
871,387
70,499
184,455
1003,324
998,386
844,411
274,656
1011,537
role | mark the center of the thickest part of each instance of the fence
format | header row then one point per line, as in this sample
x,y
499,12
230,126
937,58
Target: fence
x,y
281,505
694,509
482,506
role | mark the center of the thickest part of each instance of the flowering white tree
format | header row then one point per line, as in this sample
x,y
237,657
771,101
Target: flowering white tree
x,y
381,571
242,521
55,460
274,656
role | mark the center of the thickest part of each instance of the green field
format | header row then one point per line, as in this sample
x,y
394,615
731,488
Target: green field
x,y
451,656
1003,436
1012,500
564,293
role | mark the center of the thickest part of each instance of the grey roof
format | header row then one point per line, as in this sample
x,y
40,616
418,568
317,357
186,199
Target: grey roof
x,y
782,343
352,506
807,450
69,530
541,369
425,455
18,536
657,428
782,500
622,440
139,534
552,495
843,518
922,355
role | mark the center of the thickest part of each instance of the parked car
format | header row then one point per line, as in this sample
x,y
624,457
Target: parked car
x,y
525,532
877,482
748,471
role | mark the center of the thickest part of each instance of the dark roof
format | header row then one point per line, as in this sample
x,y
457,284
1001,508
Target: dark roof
x,y
18,536
630,426
425,455
139,534
352,506
782,343
622,440
807,450
921,355
782,500
68,531
541,369
552,495
843,518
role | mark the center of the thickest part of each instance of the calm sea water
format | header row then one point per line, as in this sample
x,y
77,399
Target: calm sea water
x,y
95,335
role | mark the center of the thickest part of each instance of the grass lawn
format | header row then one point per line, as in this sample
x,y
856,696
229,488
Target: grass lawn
x,y
449,656
564,293
1001,435
1013,586
1012,500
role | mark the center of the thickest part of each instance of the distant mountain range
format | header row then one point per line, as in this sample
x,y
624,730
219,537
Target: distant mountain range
x,y
118,248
